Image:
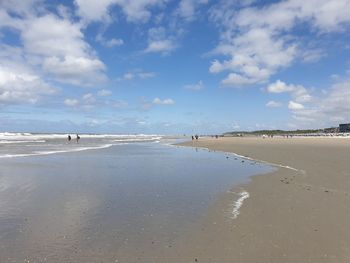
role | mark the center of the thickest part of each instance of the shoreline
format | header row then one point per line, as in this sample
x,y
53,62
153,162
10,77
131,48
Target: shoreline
x,y
290,216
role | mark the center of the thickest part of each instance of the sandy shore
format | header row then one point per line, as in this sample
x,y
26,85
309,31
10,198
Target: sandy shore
x,y
290,216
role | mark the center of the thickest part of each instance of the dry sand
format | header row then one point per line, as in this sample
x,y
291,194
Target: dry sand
x,y
290,216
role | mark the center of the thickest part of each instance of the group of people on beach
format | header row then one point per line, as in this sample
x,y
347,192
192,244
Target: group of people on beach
x,y
70,138
195,137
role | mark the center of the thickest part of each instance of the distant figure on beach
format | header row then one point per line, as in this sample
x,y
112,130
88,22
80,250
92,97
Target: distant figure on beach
x,y
69,138
192,138
216,136
78,138
196,137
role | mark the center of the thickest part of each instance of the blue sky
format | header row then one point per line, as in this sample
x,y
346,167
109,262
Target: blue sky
x,y
173,67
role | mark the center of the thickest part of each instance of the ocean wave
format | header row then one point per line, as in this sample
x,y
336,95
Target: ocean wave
x,y
56,151
20,141
138,139
10,136
238,203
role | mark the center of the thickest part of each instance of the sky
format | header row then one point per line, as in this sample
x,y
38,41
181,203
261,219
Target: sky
x,y
173,67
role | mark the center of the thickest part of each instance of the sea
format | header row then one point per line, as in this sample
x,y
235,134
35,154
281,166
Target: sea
x,y
106,196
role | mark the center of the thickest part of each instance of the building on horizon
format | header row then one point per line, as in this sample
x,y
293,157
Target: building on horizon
x,y
345,127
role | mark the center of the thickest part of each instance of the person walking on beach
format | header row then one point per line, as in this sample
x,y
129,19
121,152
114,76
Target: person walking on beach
x,y
69,138
78,138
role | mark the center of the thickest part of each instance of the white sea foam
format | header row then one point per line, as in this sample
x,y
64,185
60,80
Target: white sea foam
x,y
150,139
238,203
265,162
20,141
37,136
56,151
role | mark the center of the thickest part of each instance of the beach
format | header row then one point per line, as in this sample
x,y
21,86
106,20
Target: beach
x,y
108,198
144,199
299,213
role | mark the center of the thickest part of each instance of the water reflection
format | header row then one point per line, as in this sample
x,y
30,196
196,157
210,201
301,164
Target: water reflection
x,y
106,203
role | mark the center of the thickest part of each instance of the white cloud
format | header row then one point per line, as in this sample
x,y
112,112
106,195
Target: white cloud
x,y
88,101
21,7
75,70
328,109
50,35
135,10
273,104
187,8
92,10
196,87
258,41
71,102
138,74
160,46
163,102
298,92
237,80
114,42
57,45
313,55
292,105
21,87
89,98
104,93
128,76
19,83
279,87
159,41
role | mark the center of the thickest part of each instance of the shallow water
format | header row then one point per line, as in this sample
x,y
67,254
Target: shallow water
x,y
98,204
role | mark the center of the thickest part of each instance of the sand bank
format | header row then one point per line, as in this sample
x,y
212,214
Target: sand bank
x,y
290,216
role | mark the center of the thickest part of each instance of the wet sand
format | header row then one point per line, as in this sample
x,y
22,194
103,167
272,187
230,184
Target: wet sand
x,y
290,216
125,203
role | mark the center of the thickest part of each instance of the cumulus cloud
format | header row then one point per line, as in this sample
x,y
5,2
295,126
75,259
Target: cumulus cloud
x,y
18,86
196,87
54,43
298,92
75,70
134,11
89,101
19,83
258,41
292,105
327,109
187,8
237,80
71,102
273,104
159,41
163,102
279,87
160,46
